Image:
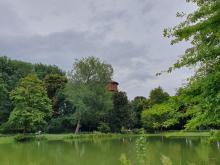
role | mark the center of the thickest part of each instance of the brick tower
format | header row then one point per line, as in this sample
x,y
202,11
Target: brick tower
x,y
112,86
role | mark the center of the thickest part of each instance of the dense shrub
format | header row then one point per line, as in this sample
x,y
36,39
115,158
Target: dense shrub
x,y
28,137
61,124
214,136
23,138
7,128
104,128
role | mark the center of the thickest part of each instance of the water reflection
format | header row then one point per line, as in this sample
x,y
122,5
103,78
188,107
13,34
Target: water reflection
x,y
180,151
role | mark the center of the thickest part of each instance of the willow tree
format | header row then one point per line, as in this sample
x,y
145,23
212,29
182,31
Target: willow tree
x,y
86,89
202,29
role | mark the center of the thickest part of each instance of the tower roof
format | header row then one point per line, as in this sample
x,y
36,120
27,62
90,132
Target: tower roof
x,y
113,82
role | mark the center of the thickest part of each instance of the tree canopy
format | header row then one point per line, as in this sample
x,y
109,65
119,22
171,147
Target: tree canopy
x,y
201,94
201,28
32,107
87,90
121,116
158,96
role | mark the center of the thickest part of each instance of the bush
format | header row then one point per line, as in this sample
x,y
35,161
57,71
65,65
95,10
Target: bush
x,y
104,128
214,136
60,124
138,131
24,138
27,138
7,128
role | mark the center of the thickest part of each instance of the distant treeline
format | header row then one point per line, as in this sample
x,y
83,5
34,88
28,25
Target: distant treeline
x,y
38,97
12,72
33,97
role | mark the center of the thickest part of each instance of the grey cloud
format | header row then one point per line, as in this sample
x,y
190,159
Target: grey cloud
x,y
148,7
62,48
11,23
126,34
110,16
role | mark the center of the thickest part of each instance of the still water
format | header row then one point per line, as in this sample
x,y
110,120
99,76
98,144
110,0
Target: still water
x,y
181,151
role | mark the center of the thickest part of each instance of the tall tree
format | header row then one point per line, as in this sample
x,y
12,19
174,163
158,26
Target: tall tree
x,y
121,115
86,89
5,104
43,70
54,84
163,115
63,119
11,71
202,28
138,104
32,107
158,96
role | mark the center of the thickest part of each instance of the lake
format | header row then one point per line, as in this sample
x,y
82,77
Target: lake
x,y
181,151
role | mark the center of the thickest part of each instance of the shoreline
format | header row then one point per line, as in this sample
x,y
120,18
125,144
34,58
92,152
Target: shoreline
x,y
7,138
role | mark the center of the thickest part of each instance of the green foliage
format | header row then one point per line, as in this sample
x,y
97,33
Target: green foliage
x,y
91,70
104,128
158,96
31,93
42,70
11,72
138,105
121,114
201,98
23,138
28,137
5,104
202,28
61,124
142,157
124,160
55,84
32,107
141,151
202,93
161,116
63,105
214,136
26,119
86,89
138,131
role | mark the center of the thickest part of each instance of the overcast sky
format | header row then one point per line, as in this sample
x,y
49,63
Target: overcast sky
x,y
124,33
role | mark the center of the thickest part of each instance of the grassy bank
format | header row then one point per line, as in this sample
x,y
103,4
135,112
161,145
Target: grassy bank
x,y
64,137
185,134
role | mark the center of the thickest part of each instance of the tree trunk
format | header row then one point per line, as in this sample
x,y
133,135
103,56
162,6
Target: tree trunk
x,y
77,127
